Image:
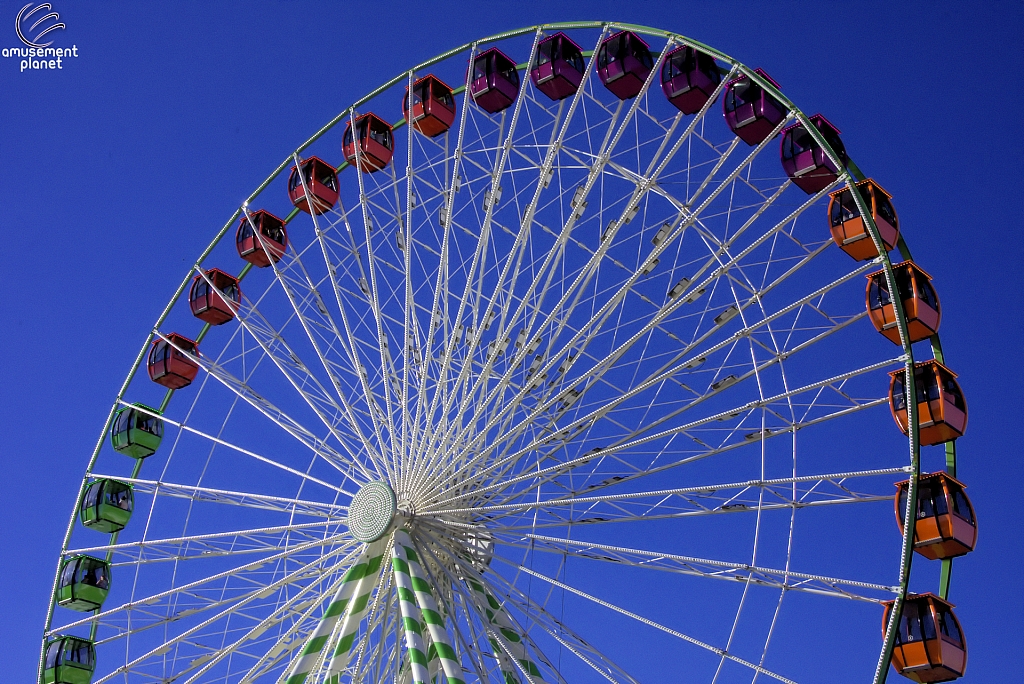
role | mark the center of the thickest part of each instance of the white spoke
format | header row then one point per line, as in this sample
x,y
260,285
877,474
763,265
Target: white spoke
x,y
715,498
246,499
244,391
149,611
301,379
655,625
267,539
700,567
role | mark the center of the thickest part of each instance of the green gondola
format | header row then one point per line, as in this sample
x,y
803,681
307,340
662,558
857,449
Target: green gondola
x,y
136,433
69,660
107,505
84,583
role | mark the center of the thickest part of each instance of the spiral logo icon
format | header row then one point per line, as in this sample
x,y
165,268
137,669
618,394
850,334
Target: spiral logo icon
x,y
37,22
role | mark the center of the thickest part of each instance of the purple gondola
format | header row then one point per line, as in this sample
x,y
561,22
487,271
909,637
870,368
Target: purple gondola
x,y
558,68
495,83
624,62
804,160
752,113
689,78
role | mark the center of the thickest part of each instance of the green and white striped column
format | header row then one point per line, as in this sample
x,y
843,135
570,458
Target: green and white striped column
x,y
416,654
352,584
503,625
441,645
349,629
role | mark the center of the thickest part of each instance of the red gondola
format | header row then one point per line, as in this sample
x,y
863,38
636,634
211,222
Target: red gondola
x,y
624,62
941,410
930,646
170,365
495,83
752,114
848,230
272,239
805,161
919,302
558,68
217,304
433,106
945,526
376,143
689,78
321,180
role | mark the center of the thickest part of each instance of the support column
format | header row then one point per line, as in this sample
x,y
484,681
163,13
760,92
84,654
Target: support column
x,y
502,624
428,607
369,563
414,649
349,629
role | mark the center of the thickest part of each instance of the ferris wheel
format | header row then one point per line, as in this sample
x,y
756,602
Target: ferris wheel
x,y
547,361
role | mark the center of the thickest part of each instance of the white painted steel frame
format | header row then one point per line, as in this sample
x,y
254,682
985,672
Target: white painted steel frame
x,y
478,413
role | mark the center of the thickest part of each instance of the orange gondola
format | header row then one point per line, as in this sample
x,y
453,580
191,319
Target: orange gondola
x,y
433,106
260,251
920,303
376,143
171,361
318,178
217,304
945,526
941,410
930,646
848,229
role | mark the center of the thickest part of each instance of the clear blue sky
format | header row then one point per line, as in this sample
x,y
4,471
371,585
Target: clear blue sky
x,y
117,169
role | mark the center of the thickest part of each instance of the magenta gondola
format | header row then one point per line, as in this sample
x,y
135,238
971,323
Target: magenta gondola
x,y
689,79
751,112
805,161
558,68
495,82
624,62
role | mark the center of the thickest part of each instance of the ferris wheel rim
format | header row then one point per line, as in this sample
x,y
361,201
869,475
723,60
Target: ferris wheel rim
x,y
349,112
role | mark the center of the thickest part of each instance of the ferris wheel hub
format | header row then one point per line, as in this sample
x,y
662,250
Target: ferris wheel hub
x,y
372,511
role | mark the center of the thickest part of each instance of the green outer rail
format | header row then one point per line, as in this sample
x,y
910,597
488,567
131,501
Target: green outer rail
x,y
936,344
882,668
852,174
